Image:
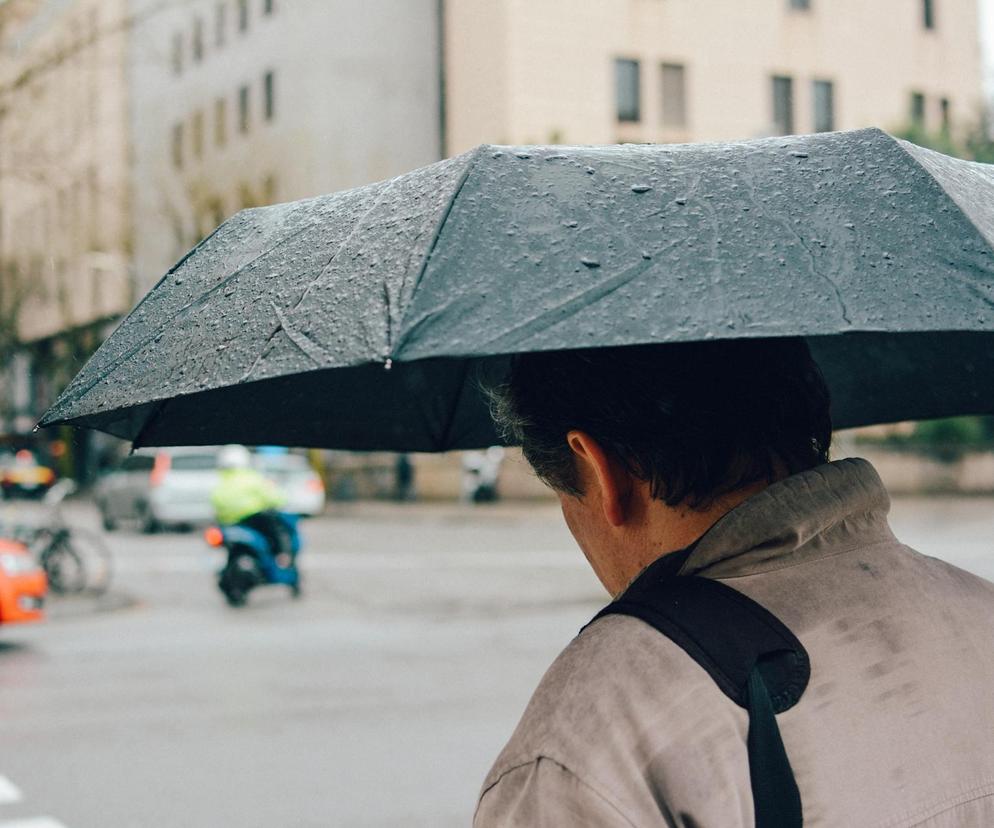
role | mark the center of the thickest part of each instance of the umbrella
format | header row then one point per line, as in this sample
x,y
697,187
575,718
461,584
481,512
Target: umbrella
x,y
366,319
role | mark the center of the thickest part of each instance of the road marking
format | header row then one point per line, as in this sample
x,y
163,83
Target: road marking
x,y
33,822
9,792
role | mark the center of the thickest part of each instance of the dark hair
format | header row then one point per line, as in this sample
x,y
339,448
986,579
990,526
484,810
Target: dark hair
x,y
696,420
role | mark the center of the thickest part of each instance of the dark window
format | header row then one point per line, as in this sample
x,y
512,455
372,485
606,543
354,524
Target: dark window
x,y
800,5
674,95
137,463
197,134
220,122
193,462
198,38
928,14
177,53
243,15
917,113
944,109
627,91
823,94
783,105
178,146
220,23
268,96
243,109
268,6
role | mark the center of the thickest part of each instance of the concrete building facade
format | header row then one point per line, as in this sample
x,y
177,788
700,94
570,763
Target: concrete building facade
x,y
560,71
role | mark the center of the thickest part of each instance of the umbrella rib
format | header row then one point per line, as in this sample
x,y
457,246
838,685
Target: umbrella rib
x,y
130,352
470,166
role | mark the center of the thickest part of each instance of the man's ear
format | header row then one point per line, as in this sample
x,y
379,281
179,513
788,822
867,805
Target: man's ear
x,y
601,469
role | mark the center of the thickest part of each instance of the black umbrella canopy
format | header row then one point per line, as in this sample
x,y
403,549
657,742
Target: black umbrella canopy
x,y
366,319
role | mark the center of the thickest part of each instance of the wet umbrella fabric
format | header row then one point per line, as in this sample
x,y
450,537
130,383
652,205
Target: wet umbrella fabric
x,y
365,319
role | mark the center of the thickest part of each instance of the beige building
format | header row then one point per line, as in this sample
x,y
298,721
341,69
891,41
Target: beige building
x,y
63,164
605,71
64,218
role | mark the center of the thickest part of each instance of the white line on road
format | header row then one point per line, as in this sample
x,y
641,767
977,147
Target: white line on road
x,y
9,792
33,822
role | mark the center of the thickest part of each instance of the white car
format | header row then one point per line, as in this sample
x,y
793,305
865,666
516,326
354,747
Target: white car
x,y
160,488
293,475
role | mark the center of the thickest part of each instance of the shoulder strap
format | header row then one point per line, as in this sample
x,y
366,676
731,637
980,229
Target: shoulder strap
x,y
752,657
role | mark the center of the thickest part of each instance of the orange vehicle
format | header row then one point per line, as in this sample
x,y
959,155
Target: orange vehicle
x,y
22,584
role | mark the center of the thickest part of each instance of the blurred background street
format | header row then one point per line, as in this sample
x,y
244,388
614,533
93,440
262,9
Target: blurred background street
x,y
380,698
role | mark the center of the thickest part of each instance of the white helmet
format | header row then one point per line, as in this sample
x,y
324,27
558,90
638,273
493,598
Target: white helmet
x,y
234,457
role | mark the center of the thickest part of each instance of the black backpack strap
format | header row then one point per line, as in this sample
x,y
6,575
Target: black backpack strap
x,y
751,655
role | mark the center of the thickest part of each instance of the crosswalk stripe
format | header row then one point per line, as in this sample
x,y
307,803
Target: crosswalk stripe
x,y
9,792
33,822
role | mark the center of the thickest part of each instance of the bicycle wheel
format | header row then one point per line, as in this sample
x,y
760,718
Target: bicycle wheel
x,y
63,566
93,552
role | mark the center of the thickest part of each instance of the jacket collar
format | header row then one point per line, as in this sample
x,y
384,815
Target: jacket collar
x,y
823,511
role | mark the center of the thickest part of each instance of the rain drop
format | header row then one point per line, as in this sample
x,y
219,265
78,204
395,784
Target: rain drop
x,y
680,201
799,154
586,261
641,188
524,156
570,223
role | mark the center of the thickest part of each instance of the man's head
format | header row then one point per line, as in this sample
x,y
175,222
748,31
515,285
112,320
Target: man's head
x,y
624,435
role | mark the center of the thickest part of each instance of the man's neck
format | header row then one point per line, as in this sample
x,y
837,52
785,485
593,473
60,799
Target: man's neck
x,y
666,529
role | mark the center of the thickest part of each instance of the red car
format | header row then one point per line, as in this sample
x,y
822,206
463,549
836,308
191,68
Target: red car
x,y
22,584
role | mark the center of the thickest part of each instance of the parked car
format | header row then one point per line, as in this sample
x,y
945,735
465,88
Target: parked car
x,y
22,584
24,476
293,475
160,488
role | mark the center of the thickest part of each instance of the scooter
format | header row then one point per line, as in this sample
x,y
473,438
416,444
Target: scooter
x,y
251,561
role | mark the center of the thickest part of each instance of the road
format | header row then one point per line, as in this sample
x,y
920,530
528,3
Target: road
x,y
378,699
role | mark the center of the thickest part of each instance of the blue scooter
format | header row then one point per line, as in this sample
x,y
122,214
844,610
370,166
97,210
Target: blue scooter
x,y
251,561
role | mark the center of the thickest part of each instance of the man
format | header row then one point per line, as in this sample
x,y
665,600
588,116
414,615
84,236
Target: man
x,y
242,495
711,459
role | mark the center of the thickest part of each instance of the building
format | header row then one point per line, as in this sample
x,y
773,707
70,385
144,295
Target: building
x,y
65,237
238,103
559,71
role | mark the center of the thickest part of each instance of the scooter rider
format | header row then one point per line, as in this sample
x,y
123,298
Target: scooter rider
x,y
244,496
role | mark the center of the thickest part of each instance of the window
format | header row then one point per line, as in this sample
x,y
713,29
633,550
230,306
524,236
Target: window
x,y
917,113
220,23
823,95
928,14
268,99
944,108
627,93
800,5
783,105
243,109
220,122
177,53
268,6
197,136
198,39
243,15
269,189
674,95
178,146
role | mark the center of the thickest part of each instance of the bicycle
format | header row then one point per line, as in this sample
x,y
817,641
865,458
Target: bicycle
x,y
74,560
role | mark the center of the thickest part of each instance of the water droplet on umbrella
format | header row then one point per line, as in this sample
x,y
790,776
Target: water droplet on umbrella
x,y
590,171
799,154
680,201
849,225
497,154
524,156
586,261
646,254
570,223
641,188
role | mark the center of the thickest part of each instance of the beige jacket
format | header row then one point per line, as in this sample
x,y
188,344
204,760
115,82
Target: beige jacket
x,y
896,727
